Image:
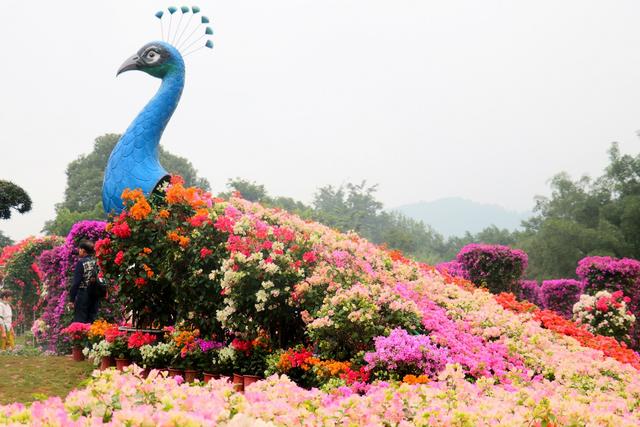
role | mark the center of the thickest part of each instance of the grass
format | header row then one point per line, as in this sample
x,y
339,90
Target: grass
x,y
26,378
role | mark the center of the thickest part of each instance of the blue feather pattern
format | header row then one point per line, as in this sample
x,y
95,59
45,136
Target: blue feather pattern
x,y
134,160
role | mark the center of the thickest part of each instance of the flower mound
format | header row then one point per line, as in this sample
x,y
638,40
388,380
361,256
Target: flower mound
x,y
605,314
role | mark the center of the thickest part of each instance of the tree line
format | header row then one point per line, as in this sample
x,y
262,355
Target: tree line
x,y
580,218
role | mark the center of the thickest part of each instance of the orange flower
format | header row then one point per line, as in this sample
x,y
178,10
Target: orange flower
x,y
141,209
163,213
184,241
108,227
147,270
173,236
132,194
412,379
147,250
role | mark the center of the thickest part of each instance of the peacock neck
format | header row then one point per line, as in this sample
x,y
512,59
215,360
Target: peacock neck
x,y
152,120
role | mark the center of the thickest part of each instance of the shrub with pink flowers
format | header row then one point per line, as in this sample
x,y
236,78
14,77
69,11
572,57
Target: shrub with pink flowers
x,y
529,290
21,274
560,295
603,273
453,268
57,266
605,314
496,267
402,354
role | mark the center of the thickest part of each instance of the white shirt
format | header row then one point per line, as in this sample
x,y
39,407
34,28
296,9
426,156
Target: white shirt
x,y
5,315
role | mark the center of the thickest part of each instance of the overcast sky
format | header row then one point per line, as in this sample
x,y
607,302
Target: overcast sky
x,y
485,100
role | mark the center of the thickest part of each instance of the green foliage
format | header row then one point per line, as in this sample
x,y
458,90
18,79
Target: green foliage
x,y
585,217
13,197
5,240
83,195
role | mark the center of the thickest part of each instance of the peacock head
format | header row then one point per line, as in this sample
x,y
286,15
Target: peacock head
x,y
157,59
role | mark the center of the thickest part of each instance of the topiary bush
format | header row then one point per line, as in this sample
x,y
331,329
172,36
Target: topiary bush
x,y
560,295
529,290
496,267
603,273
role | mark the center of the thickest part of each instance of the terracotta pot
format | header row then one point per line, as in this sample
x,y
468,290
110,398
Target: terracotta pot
x,y
122,363
249,379
175,371
106,362
190,375
238,382
208,377
76,353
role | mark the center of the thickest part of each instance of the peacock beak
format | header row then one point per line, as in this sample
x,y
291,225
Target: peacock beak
x,y
130,64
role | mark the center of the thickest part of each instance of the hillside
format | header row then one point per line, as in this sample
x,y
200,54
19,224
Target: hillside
x,y
453,216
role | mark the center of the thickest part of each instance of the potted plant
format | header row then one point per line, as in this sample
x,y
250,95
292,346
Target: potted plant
x,y
256,360
157,356
77,333
135,342
100,352
119,349
208,359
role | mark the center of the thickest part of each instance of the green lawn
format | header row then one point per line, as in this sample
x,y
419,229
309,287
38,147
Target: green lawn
x,y
25,378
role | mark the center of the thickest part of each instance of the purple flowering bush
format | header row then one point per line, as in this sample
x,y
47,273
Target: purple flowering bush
x,y
603,273
402,354
560,295
529,290
496,267
57,266
453,268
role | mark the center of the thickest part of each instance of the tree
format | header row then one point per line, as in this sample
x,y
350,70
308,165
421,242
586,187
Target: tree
x,y
13,197
5,240
585,217
83,194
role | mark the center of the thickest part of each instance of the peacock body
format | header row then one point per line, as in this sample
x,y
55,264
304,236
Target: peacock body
x,y
134,161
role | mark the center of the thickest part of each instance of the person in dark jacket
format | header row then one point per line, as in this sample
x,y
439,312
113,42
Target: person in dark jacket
x,y
83,294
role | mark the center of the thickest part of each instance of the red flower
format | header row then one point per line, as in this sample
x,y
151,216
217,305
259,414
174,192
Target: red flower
x,y
138,339
241,345
601,304
140,281
119,258
309,257
204,252
122,230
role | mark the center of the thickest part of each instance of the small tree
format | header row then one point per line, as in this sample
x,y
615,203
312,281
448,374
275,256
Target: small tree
x,y
13,197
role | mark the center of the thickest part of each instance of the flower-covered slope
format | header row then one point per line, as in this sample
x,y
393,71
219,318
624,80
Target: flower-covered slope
x,y
494,361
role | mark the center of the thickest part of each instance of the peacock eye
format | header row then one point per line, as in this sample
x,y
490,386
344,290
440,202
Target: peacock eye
x,y
151,55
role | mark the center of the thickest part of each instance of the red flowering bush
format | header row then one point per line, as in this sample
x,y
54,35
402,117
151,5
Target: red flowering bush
x,y
605,314
495,267
77,333
156,256
21,274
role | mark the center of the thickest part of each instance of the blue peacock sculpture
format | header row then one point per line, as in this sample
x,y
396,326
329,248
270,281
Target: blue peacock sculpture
x,y
134,162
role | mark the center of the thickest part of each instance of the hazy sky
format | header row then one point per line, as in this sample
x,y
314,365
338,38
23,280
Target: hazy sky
x,y
485,100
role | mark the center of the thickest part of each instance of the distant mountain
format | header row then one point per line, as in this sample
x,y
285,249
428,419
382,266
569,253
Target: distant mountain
x,y
453,216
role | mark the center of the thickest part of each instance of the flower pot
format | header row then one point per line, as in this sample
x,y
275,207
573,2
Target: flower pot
x,y
76,353
207,376
145,373
175,371
106,362
238,382
190,375
122,363
249,379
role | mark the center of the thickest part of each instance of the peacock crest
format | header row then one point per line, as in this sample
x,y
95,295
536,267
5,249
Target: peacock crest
x,y
134,162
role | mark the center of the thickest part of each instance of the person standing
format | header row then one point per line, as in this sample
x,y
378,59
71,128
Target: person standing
x,y
84,294
7,336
